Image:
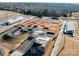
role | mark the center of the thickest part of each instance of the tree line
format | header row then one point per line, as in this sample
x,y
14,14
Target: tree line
x,y
39,12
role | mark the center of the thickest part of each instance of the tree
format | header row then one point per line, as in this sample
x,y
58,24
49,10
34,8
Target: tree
x,y
45,12
28,12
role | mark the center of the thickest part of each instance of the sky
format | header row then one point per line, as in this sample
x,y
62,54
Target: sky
x,y
50,1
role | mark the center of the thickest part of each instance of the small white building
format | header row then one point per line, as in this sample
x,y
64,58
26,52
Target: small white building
x,y
70,28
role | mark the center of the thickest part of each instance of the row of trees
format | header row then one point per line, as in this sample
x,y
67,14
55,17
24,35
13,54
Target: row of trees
x,y
45,12
39,12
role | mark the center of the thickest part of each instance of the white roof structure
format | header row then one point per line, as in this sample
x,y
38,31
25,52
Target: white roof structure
x,y
17,19
42,39
70,26
14,20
